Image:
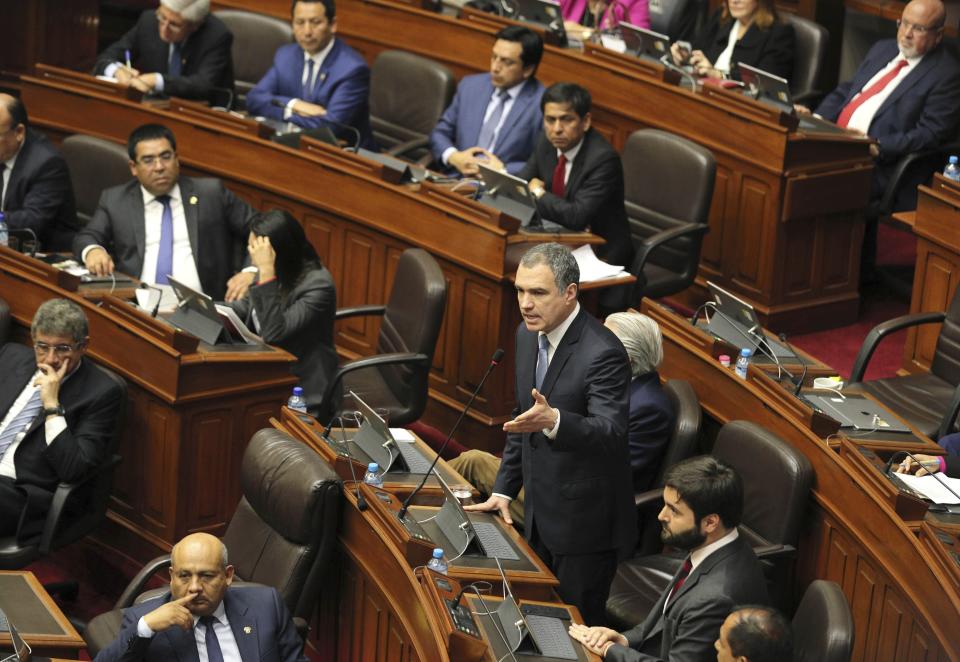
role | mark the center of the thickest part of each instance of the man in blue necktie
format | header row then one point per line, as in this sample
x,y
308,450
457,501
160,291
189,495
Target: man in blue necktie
x,y
57,414
204,617
318,81
161,224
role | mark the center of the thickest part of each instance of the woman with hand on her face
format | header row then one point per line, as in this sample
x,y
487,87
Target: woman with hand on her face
x,y
581,18
748,31
294,301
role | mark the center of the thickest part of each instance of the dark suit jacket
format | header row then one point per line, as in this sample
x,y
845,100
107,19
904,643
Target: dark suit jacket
x,y
92,402
218,224
303,326
258,618
953,465
651,424
342,87
593,199
921,113
39,195
577,487
460,125
771,50
205,56
686,631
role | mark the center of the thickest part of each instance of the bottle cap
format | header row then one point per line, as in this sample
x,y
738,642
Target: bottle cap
x,y
747,352
952,159
724,359
438,553
373,467
298,391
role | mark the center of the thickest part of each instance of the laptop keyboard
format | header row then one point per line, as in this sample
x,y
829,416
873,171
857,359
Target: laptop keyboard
x,y
418,463
551,637
494,543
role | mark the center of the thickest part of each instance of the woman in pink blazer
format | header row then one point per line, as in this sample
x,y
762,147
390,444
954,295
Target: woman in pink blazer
x,y
581,17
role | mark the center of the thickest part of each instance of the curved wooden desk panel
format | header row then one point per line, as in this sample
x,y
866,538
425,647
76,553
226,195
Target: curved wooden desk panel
x,y
904,605
785,225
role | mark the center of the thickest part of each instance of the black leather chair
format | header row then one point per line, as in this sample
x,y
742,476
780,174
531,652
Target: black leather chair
x,y
678,19
929,401
408,94
823,628
255,40
77,509
283,533
95,164
396,378
811,49
4,322
776,480
668,190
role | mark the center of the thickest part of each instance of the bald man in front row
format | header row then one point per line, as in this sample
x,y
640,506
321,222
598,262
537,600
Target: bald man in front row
x,y
203,617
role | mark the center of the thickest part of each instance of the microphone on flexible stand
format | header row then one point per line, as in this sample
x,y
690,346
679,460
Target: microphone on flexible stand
x,y
356,132
803,375
494,362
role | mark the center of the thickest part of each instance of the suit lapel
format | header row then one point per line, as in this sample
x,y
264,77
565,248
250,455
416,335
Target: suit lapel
x,y
578,170
139,224
563,352
14,387
527,368
190,212
244,626
478,111
328,63
524,99
911,79
183,642
868,72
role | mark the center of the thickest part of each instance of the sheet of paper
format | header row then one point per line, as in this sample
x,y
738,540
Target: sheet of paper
x,y
402,434
593,268
613,42
932,488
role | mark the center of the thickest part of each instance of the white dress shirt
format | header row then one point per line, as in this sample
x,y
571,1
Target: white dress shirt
x,y
862,117
53,425
700,554
318,59
228,643
723,60
512,94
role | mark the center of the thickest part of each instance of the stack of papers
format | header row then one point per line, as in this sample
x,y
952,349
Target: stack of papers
x,y
592,268
932,488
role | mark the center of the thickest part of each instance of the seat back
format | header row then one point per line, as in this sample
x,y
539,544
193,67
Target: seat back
x,y
811,49
776,480
675,18
255,40
668,183
95,164
411,323
284,531
408,94
4,322
946,357
823,628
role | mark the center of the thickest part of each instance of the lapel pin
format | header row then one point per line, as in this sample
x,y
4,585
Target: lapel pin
x,y
193,199
247,629
323,76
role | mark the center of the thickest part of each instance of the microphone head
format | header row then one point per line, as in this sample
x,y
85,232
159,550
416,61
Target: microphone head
x,y
497,356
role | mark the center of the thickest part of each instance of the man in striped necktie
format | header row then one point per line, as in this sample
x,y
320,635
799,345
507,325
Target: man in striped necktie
x,y
57,413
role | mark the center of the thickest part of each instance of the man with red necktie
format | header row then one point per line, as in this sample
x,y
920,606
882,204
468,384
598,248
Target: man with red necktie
x,y
584,172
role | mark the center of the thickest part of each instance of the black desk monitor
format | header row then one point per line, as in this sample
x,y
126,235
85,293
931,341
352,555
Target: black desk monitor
x,y
735,321
197,314
20,649
512,195
546,13
775,91
644,42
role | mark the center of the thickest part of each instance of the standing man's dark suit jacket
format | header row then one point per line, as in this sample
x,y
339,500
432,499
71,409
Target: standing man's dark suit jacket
x,y
302,325
342,87
921,113
593,198
258,618
771,50
205,56
686,631
651,424
577,487
92,402
39,194
217,222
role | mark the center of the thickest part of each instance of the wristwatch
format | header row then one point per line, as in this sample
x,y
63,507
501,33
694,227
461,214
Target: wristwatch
x,y
54,411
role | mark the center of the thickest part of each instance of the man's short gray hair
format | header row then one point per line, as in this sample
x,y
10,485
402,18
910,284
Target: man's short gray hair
x,y
191,10
60,317
641,338
560,260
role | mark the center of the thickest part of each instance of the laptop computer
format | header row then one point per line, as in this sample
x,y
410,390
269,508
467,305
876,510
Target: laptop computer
x,y
19,649
512,195
855,412
541,12
643,42
774,90
375,439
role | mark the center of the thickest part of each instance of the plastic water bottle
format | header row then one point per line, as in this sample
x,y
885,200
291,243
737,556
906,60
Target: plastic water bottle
x,y
952,171
296,401
4,234
743,361
373,477
438,563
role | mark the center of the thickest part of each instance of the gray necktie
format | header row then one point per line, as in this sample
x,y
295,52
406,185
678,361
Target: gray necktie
x,y
489,129
543,360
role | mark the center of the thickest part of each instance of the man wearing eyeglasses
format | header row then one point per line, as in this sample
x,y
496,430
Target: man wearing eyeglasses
x,y
58,413
177,50
906,96
161,224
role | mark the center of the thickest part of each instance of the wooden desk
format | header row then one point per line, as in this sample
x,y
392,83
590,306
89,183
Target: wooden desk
x,y
37,617
785,224
937,271
904,606
191,409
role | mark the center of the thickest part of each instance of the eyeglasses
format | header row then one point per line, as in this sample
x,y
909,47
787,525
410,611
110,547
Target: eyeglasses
x,y
43,348
150,159
163,20
919,29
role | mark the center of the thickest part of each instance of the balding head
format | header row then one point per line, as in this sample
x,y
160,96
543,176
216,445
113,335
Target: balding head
x,y
13,126
921,27
199,567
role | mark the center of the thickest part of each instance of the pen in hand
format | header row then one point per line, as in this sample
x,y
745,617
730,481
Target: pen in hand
x,y
126,54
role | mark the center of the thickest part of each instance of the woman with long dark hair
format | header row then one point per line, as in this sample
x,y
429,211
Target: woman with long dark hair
x,y
294,301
